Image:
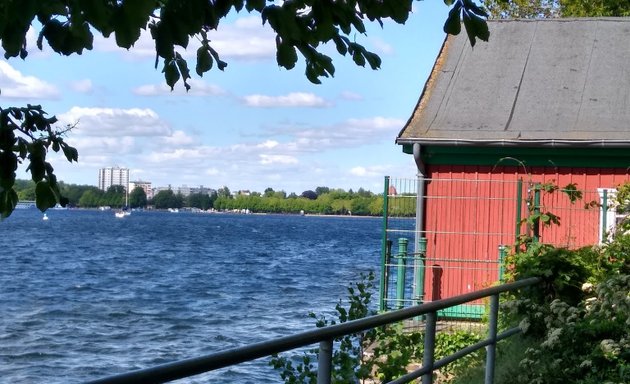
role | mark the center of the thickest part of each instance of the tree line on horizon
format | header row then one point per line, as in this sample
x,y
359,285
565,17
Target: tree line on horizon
x,y
321,200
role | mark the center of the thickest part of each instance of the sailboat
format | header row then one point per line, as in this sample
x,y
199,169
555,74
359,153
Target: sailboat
x,y
124,212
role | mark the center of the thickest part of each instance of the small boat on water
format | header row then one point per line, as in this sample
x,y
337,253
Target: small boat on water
x,y
121,214
45,217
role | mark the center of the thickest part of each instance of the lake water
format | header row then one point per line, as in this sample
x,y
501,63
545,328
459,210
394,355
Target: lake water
x,y
84,295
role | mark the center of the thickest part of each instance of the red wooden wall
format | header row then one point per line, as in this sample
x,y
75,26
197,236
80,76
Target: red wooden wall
x,y
471,210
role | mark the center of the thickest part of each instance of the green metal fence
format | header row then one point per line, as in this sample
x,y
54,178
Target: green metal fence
x,y
454,239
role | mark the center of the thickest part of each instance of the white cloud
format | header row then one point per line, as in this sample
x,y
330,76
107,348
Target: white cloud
x,y
292,100
15,85
245,39
178,138
82,86
103,145
277,159
198,88
350,133
371,171
269,144
113,122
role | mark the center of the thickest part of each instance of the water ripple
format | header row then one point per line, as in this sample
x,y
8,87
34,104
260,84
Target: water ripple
x,y
84,295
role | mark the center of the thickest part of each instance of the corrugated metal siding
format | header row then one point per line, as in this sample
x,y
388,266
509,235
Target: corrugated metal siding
x,y
472,210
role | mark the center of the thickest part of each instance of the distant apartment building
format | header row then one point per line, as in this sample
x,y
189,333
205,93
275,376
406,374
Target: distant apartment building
x,y
185,190
113,176
145,185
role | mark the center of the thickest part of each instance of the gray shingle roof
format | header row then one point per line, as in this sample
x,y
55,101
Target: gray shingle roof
x,y
563,82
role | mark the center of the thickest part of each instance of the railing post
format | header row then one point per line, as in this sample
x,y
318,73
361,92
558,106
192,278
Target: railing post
x,y
400,274
324,362
429,347
383,293
492,337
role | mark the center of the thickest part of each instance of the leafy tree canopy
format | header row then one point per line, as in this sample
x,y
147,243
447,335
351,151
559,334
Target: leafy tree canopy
x,y
68,27
528,9
137,198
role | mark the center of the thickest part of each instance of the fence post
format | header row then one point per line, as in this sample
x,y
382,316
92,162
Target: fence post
x,y
502,255
420,242
492,337
604,214
383,293
400,274
324,362
429,347
519,206
388,260
420,268
537,213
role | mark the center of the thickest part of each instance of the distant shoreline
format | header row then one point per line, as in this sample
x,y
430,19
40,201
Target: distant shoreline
x,y
347,216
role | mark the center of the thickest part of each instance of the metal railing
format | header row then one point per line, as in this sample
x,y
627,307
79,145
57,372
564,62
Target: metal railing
x,y
325,337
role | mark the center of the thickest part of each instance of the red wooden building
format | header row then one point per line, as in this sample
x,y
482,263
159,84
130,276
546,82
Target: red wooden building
x,y
542,101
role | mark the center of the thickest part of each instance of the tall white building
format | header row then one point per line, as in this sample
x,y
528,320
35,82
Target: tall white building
x,y
113,176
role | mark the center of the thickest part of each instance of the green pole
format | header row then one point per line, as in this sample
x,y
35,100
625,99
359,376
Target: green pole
x,y
536,228
400,274
519,205
421,264
383,293
502,255
604,214
388,258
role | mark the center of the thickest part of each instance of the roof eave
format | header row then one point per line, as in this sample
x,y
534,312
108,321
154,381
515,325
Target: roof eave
x,y
549,143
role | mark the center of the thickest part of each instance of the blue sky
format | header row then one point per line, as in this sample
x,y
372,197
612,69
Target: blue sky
x,y
253,126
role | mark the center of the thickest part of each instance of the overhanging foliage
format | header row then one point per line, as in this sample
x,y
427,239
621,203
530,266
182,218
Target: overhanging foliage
x,y
68,27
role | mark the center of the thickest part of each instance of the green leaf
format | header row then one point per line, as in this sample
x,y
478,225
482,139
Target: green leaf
x,y
258,5
8,201
453,24
38,170
182,66
204,61
44,196
8,165
70,152
163,40
476,27
341,43
358,58
220,64
171,74
286,54
373,59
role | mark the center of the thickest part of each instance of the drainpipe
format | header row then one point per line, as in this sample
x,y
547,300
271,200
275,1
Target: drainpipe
x,y
419,240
